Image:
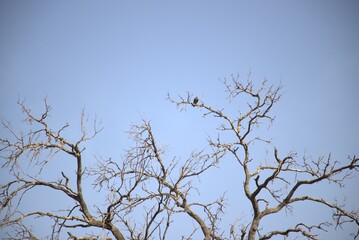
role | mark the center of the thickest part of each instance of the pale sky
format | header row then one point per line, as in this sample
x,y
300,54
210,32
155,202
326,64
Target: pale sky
x,y
118,60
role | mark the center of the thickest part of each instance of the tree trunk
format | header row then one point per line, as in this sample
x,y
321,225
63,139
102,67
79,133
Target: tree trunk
x,y
118,235
254,227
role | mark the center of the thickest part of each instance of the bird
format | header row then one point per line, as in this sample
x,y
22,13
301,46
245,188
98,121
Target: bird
x,y
195,101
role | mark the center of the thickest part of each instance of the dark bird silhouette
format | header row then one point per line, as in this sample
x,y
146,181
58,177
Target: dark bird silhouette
x,y
195,101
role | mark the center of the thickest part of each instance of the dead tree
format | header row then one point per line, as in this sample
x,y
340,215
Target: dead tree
x,y
147,182
140,182
271,177
37,148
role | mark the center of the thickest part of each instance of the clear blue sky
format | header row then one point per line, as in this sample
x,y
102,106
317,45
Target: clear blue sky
x,y
119,59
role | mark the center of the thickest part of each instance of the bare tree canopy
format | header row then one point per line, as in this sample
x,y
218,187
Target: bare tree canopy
x,y
146,190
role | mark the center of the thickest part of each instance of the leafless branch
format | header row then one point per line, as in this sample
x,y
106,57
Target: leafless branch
x,y
146,181
272,177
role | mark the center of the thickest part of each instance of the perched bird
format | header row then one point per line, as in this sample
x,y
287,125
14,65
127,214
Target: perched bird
x,y
195,101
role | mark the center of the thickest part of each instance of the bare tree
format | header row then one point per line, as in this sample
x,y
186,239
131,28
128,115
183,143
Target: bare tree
x,y
149,183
